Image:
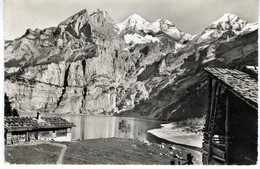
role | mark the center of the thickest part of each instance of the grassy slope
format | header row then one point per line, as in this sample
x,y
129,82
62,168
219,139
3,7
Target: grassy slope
x,y
99,151
120,151
32,154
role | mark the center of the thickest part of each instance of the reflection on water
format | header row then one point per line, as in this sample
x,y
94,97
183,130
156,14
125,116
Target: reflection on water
x,y
90,127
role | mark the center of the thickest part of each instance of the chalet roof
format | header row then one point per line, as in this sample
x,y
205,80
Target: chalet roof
x,y
30,123
241,84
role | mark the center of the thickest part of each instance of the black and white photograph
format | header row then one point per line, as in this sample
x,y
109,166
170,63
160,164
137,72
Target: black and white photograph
x,y
130,82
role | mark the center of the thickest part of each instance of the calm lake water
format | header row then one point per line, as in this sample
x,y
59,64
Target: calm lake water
x,y
91,127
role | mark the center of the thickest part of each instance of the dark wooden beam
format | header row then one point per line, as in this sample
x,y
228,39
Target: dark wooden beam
x,y
214,98
213,118
215,162
26,136
227,129
212,107
218,152
219,158
209,102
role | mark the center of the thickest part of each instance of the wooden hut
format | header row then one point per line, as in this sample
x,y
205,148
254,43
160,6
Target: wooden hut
x,y
230,133
26,129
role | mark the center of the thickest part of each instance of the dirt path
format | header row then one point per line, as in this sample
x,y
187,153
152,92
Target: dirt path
x,y
62,153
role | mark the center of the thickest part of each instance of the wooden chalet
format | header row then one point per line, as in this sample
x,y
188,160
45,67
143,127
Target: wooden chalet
x,y
230,133
26,129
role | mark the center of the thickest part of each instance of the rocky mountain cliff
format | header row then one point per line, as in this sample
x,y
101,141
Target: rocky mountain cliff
x,y
89,64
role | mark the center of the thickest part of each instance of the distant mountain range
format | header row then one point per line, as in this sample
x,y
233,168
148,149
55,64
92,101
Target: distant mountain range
x,y
89,64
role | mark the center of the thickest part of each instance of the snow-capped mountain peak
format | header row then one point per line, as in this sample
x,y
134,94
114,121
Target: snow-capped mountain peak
x,y
165,21
135,24
229,21
136,17
132,21
229,24
226,17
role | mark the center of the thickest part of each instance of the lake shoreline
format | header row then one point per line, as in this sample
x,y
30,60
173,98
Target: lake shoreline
x,y
182,135
142,128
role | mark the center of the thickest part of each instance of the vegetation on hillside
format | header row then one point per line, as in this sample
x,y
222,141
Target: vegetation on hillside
x,y
9,111
124,127
191,125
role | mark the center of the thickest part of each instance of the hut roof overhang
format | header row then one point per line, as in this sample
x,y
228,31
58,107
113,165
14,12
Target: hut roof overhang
x,y
30,123
241,84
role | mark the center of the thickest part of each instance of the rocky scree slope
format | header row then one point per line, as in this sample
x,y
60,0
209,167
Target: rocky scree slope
x,y
89,64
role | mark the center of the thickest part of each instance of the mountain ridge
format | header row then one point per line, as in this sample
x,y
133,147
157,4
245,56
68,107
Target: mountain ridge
x,y
88,65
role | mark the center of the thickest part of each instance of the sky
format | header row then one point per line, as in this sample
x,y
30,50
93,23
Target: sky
x,y
191,16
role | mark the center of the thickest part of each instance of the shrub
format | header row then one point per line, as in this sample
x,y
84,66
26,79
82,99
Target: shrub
x,y
124,127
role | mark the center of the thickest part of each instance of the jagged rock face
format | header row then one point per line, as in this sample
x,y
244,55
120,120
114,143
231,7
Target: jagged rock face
x,y
88,64
185,94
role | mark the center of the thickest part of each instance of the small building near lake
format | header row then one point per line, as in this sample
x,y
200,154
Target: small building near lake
x,y
230,133
26,129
